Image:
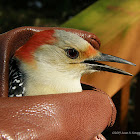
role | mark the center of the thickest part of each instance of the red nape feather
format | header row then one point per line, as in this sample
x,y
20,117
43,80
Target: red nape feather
x,y
25,52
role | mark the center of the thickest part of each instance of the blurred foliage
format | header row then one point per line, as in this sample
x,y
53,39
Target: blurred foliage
x,y
38,12
107,19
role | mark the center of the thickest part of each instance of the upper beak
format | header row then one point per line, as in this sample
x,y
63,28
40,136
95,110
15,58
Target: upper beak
x,y
102,67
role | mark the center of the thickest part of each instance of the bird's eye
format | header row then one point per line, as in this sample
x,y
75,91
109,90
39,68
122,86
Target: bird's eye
x,y
72,53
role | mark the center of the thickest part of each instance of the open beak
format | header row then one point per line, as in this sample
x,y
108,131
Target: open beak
x,y
93,65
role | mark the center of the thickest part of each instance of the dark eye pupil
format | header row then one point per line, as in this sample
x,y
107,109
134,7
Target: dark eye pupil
x,y
72,53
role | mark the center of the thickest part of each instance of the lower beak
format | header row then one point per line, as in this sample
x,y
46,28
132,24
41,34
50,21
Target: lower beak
x,y
93,65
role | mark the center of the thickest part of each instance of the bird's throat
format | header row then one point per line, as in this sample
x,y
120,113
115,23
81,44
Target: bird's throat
x,y
56,86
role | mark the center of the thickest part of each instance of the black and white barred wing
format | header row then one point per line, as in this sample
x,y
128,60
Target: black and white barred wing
x,y
16,79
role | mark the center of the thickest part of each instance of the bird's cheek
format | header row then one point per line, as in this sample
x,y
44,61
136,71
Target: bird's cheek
x,y
82,68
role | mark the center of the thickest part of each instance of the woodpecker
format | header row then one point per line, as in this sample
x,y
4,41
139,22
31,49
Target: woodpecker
x,y
53,61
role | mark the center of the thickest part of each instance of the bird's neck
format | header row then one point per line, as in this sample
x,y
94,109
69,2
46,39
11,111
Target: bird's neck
x,y
54,87
52,82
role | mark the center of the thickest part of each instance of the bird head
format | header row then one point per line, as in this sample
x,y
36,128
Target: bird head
x,y
57,53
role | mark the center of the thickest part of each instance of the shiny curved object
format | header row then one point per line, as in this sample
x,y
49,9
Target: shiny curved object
x,y
61,116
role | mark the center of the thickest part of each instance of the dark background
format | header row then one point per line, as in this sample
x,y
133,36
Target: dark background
x,y
38,12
